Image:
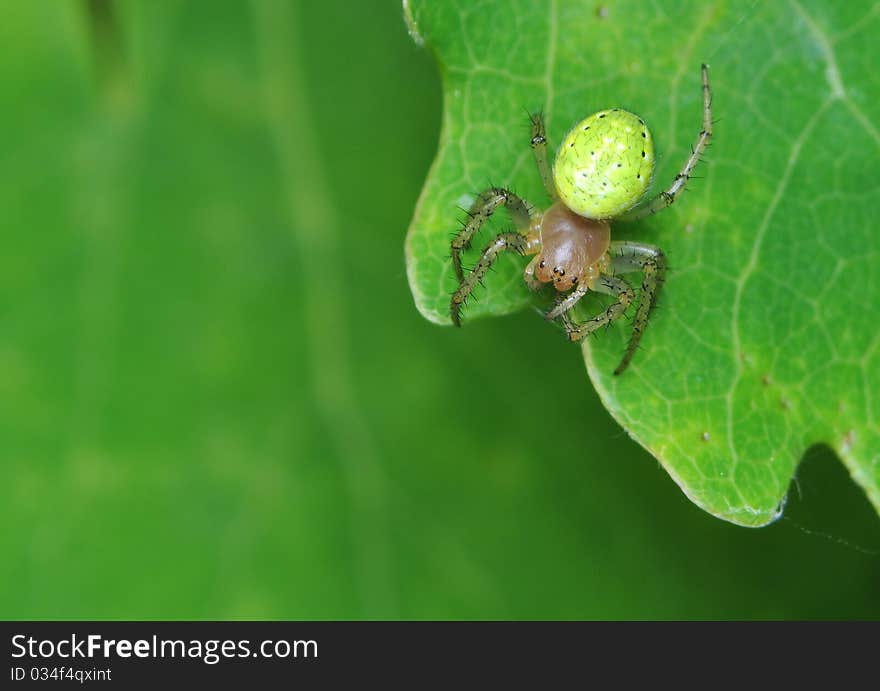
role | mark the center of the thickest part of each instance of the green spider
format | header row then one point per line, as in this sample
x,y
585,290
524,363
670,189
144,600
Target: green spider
x,y
602,171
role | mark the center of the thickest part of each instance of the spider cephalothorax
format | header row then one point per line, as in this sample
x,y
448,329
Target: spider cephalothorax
x,y
601,173
570,245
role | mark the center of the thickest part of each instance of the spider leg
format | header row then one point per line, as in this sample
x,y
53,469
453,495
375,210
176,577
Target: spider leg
x,y
569,301
539,149
610,285
482,208
529,275
505,241
637,256
670,194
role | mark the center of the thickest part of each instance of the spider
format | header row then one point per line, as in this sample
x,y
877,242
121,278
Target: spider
x,y
603,169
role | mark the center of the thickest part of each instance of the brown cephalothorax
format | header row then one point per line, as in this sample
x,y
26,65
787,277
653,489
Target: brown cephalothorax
x,y
570,244
601,173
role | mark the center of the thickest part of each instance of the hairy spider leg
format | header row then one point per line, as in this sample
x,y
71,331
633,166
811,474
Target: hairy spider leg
x,y
627,257
585,283
569,301
670,194
539,149
609,285
482,208
505,241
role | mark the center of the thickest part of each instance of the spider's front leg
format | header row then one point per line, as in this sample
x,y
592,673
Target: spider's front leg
x,y
610,285
564,304
529,272
627,257
521,244
482,208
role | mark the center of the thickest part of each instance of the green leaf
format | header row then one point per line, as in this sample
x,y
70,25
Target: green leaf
x,y
766,339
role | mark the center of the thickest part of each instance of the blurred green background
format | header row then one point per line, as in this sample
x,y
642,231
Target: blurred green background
x,y
217,399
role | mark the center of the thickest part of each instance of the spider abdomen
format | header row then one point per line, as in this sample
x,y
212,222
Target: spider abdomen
x,y
569,244
605,164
